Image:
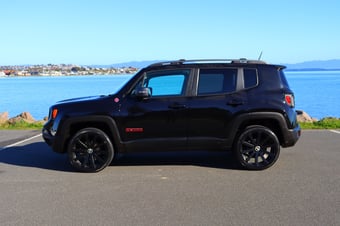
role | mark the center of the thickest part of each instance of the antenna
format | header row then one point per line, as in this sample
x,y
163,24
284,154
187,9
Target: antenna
x,y
260,56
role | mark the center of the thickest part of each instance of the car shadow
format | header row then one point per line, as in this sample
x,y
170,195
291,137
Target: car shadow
x,y
40,155
37,155
222,160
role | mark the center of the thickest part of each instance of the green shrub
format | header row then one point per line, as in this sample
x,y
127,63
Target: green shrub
x,y
22,125
325,123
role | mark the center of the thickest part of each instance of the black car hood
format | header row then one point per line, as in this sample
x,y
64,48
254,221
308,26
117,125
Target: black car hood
x,y
82,99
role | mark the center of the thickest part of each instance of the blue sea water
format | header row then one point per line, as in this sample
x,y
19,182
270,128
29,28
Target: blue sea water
x,y
37,94
316,92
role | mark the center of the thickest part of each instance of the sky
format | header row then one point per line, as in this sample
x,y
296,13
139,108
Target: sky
x,y
108,31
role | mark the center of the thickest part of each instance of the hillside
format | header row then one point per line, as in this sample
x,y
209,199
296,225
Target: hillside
x,y
136,64
307,65
315,65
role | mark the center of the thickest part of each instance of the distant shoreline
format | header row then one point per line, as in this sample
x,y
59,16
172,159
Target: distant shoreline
x,y
62,70
132,67
122,72
311,69
68,75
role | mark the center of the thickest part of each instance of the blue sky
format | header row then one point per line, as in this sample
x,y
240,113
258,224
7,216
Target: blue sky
x,y
105,32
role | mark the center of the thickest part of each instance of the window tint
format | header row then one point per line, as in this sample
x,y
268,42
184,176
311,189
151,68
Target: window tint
x,y
250,78
213,81
166,83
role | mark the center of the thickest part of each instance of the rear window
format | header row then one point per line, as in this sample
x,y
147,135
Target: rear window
x,y
214,81
250,78
283,78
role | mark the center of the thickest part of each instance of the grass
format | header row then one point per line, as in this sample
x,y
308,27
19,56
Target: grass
x,y
21,125
325,123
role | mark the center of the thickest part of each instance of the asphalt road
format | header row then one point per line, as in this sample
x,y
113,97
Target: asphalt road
x,y
38,187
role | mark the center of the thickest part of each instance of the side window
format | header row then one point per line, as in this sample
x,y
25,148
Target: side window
x,y
250,78
214,81
166,83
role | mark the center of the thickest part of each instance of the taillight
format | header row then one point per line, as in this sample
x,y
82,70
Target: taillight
x,y
54,113
289,99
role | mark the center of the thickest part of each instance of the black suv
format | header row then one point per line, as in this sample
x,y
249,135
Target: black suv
x,y
241,105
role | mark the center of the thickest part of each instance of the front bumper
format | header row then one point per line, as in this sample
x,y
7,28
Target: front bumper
x,y
48,138
55,142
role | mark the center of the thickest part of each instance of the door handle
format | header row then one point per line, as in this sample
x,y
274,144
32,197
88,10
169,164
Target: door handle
x,y
235,102
177,106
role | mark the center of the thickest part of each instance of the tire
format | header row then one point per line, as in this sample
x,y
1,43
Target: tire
x,y
90,150
257,148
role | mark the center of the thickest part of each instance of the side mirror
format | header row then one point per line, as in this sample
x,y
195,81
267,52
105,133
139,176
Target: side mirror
x,y
143,92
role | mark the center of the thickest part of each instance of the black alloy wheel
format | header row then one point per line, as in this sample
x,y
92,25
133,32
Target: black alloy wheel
x,y
257,148
90,150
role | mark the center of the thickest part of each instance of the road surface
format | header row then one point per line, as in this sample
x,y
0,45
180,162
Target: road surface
x,y
38,187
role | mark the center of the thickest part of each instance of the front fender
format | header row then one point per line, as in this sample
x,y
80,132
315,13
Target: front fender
x,y
71,125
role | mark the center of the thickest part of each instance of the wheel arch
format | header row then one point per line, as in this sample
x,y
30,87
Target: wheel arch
x,y
104,123
272,120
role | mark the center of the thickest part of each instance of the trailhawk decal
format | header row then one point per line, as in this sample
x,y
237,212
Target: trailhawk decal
x,y
134,130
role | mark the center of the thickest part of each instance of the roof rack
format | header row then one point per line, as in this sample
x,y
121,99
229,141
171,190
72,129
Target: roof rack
x,y
183,61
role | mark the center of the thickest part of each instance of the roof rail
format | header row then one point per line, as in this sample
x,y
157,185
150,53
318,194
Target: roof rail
x,y
183,61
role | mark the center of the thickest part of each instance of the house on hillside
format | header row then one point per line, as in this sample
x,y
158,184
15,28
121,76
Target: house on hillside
x,y
2,74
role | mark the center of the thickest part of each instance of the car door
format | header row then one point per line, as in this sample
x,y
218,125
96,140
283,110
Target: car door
x,y
213,108
160,120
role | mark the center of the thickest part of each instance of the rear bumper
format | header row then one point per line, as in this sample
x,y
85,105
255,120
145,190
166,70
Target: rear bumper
x,y
291,136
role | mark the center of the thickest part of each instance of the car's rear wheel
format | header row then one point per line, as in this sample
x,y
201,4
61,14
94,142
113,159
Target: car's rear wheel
x,y
90,150
257,148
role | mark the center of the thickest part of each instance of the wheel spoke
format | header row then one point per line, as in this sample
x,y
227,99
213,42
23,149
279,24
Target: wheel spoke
x,y
250,135
263,158
245,151
249,157
256,158
85,161
248,144
99,145
267,141
92,161
86,137
82,143
79,150
81,155
99,159
266,152
259,137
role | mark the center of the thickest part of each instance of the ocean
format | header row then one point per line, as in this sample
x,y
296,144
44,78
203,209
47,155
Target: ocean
x,y
316,92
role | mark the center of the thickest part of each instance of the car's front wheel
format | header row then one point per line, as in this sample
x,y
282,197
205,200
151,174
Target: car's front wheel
x,y
90,150
257,148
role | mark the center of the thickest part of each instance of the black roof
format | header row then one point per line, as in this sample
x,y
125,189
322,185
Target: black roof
x,y
243,61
